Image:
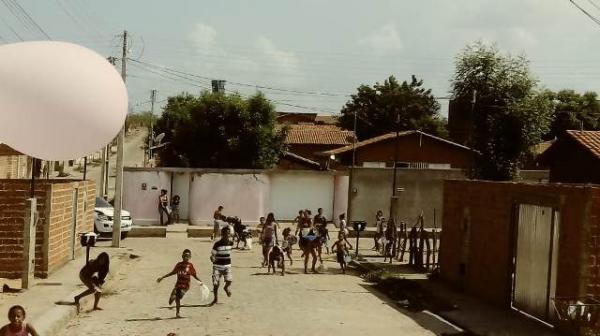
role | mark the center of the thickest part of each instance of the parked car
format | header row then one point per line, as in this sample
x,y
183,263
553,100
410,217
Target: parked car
x,y
103,219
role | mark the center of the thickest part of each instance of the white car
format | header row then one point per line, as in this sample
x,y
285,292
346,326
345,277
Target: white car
x,y
103,218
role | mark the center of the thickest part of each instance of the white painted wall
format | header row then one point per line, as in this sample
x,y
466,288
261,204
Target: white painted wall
x,y
143,204
292,191
241,195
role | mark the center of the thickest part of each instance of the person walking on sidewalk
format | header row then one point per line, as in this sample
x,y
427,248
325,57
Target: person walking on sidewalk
x,y
92,275
379,223
221,259
184,270
163,207
17,325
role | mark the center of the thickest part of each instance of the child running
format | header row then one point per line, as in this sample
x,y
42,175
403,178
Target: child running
x,y
93,275
17,325
221,259
341,248
184,270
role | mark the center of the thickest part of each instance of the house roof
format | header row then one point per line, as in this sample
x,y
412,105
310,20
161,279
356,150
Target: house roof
x,y
540,148
311,134
383,138
326,119
6,150
588,139
301,159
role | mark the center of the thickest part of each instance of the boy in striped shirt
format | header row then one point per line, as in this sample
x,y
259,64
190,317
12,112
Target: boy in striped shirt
x,y
221,259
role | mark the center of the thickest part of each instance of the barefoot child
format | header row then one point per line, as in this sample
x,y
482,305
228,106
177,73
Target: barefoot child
x,y
221,259
184,270
288,242
92,275
341,248
17,325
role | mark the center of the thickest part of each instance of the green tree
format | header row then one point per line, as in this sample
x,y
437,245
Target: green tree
x,y
573,111
220,131
140,120
510,114
392,106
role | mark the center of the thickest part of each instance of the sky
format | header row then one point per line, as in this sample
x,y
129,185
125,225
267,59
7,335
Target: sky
x,y
311,55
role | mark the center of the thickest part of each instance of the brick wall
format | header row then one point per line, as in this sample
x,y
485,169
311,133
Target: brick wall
x,y
61,236
485,246
53,236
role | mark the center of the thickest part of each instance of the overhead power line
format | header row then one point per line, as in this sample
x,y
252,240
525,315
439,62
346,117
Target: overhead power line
x,y
593,18
265,87
30,19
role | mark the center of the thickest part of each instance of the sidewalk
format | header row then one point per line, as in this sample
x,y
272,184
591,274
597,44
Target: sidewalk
x,y
40,301
470,314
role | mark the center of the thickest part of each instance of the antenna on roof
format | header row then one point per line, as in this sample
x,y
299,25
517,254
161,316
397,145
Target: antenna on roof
x,y
581,125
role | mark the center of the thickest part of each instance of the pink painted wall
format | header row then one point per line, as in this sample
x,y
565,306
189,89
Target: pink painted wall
x,y
143,204
242,195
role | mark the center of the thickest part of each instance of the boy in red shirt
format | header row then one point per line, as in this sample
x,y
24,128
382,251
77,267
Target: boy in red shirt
x,y
184,270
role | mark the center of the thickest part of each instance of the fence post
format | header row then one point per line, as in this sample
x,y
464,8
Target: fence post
x,y
29,228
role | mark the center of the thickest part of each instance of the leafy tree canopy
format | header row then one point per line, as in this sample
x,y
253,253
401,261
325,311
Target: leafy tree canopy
x,y
573,111
390,106
510,113
220,131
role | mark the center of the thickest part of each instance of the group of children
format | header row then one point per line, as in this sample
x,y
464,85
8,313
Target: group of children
x,y
307,228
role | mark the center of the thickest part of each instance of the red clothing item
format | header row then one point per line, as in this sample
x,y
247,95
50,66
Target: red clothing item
x,y
184,271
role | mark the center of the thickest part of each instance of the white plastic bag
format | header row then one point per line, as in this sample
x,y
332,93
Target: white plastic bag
x,y
204,293
347,258
249,243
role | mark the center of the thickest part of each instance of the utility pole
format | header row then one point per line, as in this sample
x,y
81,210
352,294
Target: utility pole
x,y
116,236
151,135
393,200
104,170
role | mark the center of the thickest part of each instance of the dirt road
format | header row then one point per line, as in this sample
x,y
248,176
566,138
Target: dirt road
x,y
261,304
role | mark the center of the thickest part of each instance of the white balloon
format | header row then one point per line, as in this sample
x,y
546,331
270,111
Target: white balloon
x,y
58,101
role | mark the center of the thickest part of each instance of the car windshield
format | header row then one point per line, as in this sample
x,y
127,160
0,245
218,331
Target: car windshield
x,y
101,203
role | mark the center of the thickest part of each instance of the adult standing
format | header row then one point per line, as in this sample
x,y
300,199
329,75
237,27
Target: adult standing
x,y
319,219
391,235
217,217
269,237
379,222
163,206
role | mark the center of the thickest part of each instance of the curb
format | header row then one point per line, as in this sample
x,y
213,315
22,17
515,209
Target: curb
x,y
146,232
57,317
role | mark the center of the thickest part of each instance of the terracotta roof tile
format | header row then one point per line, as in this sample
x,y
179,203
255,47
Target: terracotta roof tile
x,y
589,139
318,135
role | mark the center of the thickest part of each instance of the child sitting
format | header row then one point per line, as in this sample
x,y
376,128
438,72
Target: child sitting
x,y
17,325
184,270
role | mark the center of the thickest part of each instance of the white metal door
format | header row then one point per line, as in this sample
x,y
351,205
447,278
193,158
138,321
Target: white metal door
x,y
535,265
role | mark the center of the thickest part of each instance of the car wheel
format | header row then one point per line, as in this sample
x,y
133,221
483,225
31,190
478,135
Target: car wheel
x,y
124,235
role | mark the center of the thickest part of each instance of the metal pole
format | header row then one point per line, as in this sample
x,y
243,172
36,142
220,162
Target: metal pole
x,y
102,168
84,167
395,167
116,236
151,135
357,237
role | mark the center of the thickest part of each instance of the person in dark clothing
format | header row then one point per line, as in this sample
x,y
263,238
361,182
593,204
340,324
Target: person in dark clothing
x,y
92,275
163,207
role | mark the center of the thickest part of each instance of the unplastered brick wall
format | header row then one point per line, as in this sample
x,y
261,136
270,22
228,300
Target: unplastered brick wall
x,y
70,203
13,194
51,235
478,236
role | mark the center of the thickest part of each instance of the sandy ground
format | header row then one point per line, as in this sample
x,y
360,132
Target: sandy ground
x,y
294,304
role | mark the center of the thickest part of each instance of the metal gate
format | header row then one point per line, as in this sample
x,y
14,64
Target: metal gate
x,y
535,262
